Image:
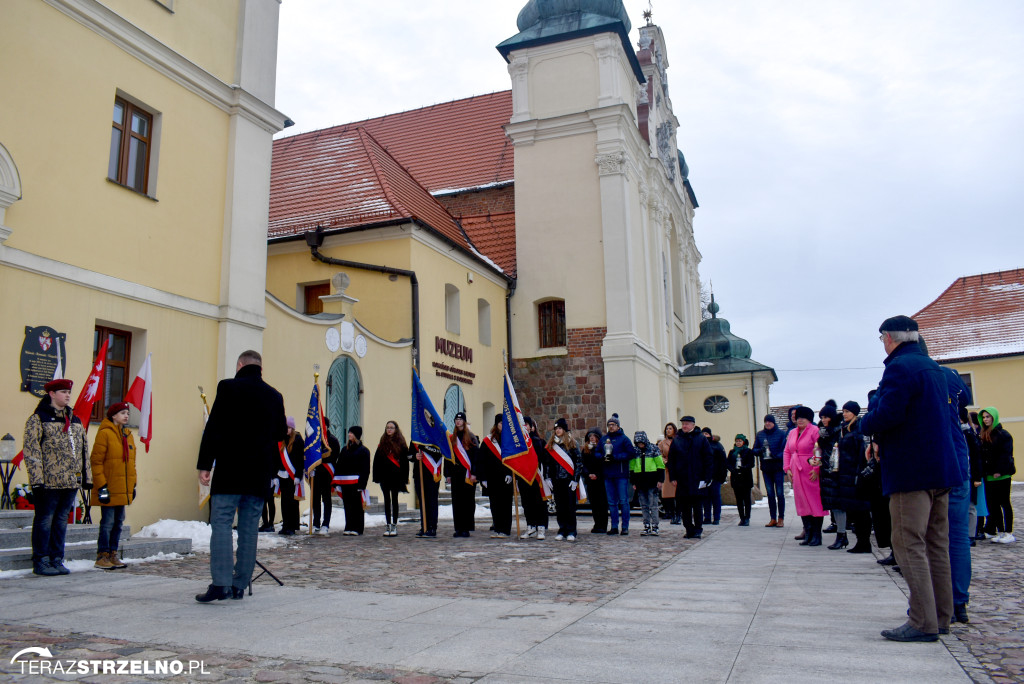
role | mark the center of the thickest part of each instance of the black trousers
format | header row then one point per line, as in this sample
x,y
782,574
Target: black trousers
x,y
353,502
463,505
1000,513
598,499
860,522
500,495
534,506
289,506
743,502
565,507
269,510
321,498
691,508
881,520
428,504
390,504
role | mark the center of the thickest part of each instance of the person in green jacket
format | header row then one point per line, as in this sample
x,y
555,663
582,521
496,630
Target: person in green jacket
x,y
997,459
647,473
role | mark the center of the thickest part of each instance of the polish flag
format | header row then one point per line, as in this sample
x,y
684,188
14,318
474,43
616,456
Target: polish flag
x,y
93,388
140,395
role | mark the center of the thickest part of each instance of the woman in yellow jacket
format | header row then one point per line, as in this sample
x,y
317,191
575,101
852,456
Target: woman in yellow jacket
x,y
113,467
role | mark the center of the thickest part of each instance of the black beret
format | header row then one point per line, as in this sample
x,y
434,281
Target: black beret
x,y
898,324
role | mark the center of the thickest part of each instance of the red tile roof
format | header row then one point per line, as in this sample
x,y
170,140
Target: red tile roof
x,y
495,236
344,180
449,146
977,316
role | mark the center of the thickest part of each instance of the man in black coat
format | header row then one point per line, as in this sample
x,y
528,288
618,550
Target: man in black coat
x,y
353,470
689,469
241,438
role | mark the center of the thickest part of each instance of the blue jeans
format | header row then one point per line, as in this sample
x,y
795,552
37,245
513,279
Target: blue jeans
x,y
960,542
713,502
226,573
619,493
50,522
774,481
111,519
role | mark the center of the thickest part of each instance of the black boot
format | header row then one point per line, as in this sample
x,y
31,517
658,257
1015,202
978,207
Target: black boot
x,y
841,542
815,532
889,560
960,613
806,534
214,593
863,544
830,529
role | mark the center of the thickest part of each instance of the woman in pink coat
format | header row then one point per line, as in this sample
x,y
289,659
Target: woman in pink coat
x,y
800,463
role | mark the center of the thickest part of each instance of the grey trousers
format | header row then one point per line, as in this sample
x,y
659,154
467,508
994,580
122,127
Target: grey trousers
x,y
920,542
227,568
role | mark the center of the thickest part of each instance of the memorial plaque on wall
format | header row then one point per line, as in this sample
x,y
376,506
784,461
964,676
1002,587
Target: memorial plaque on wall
x,y
40,352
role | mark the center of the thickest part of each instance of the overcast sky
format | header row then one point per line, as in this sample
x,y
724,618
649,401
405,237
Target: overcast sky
x,y
851,160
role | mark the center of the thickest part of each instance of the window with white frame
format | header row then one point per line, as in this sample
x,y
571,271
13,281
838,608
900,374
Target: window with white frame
x,y
451,308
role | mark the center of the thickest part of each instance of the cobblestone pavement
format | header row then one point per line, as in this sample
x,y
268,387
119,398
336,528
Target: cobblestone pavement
x,y
593,567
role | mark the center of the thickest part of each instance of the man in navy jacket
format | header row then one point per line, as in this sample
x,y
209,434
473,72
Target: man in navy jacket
x,y
909,420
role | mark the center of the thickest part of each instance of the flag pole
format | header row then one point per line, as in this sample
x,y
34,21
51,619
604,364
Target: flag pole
x,y
311,498
515,502
423,507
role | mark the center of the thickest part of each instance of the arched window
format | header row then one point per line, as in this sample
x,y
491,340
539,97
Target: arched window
x,y
551,323
451,308
344,396
454,401
483,317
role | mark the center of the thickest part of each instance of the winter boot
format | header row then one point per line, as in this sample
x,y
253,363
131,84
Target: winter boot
x,y
116,560
43,567
841,542
654,531
806,535
103,561
58,565
863,544
815,531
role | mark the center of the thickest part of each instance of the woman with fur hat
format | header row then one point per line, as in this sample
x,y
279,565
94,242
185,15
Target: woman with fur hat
x,y
564,468
741,475
803,466
114,478
829,427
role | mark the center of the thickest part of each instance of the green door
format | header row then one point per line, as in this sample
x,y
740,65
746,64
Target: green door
x,y
344,392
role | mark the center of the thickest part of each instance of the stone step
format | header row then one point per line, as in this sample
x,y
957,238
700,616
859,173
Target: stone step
x,y
21,559
14,519
22,538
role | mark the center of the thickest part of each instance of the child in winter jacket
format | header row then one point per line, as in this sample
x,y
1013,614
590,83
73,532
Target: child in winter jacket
x,y
647,472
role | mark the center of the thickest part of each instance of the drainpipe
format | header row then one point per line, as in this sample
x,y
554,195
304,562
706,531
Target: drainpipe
x,y
508,324
315,239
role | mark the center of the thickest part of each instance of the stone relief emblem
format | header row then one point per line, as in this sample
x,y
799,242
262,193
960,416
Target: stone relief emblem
x,y
665,151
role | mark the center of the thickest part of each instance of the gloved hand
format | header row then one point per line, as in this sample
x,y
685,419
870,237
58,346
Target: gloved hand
x,y
508,479
104,495
282,474
573,485
275,483
547,483
297,482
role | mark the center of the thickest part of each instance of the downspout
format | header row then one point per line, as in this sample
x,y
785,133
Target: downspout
x,y
508,324
315,238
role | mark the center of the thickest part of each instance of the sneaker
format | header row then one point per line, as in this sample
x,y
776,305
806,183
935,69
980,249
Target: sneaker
x,y
499,535
559,537
316,530
350,533
1004,538
58,565
540,532
1009,538
325,530
531,531
624,532
571,537
908,633
654,531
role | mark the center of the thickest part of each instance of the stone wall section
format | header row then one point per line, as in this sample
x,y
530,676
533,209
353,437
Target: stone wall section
x,y
570,386
480,202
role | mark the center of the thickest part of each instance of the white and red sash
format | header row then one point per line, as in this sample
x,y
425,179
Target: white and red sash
x,y
492,447
563,458
346,479
459,449
286,462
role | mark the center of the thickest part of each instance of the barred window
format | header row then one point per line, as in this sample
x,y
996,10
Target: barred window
x,y
551,322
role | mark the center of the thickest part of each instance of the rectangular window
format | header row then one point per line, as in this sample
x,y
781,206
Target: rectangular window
x,y
551,319
452,322
313,294
115,381
130,143
968,379
483,317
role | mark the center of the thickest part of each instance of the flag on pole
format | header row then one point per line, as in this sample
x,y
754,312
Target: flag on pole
x,y
316,432
140,395
516,451
58,372
93,387
429,435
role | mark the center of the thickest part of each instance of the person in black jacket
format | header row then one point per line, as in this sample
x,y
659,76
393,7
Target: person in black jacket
x,y
840,475
295,449
769,445
997,457
391,472
535,508
593,471
719,473
564,481
461,482
741,475
352,467
497,480
689,467
323,483
246,423
829,428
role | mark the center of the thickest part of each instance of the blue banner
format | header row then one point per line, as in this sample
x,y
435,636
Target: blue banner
x,y
429,434
316,433
516,452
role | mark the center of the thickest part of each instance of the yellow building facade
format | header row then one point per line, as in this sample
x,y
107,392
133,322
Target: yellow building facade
x,y
134,184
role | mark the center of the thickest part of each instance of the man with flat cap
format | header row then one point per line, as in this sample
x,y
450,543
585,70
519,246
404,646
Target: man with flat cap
x,y
909,419
57,462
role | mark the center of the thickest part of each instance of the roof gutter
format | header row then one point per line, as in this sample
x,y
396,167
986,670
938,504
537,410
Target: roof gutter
x,y
315,239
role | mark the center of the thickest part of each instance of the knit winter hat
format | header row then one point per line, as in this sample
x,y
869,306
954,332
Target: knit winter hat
x,y
290,422
614,419
744,438
461,415
561,423
828,410
117,408
770,419
853,407
805,412
357,431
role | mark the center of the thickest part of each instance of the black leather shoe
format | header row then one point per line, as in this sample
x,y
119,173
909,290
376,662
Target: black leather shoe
x,y
908,633
960,613
612,531
888,560
286,533
857,548
830,529
43,568
599,530
266,528
214,593
624,532
237,594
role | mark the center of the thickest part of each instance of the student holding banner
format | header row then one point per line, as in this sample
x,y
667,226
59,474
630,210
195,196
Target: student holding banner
x,y
352,470
564,467
533,494
497,478
459,471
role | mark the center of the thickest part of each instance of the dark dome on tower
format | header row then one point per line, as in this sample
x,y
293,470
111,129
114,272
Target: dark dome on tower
x,y
537,11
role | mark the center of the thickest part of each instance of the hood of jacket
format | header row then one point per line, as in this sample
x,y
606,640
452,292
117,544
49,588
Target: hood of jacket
x,y
992,411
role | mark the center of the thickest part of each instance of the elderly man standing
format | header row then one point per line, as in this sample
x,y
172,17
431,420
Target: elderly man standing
x,y
57,461
246,423
689,466
909,420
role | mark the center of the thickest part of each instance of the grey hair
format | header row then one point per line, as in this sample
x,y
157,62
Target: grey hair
x,y
250,357
902,336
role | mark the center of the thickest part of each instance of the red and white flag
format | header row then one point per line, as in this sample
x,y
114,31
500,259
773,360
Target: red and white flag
x,y
140,395
93,388
563,458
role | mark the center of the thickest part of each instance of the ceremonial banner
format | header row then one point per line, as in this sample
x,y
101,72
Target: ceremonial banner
x,y
429,435
93,388
515,440
316,434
